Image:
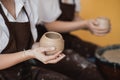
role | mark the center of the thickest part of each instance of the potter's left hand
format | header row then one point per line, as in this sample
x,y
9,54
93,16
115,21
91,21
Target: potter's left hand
x,y
39,53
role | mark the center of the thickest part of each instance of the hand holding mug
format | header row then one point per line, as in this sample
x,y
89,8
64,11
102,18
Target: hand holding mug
x,y
39,53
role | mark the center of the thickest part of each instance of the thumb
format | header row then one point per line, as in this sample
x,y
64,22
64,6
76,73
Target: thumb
x,y
44,49
95,22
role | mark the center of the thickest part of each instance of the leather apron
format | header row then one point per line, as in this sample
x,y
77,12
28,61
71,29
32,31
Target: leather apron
x,y
20,39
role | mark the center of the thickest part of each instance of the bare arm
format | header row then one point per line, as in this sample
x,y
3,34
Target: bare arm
x,y
65,26
8,60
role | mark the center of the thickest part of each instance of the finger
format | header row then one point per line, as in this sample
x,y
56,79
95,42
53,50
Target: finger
x,y
101,32
97,34
56,59
95,22
50,57
45,49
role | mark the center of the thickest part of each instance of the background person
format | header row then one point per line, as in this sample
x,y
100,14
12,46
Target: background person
x,y
75,49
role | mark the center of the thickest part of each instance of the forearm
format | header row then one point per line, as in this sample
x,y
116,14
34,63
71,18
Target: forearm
x,y
8,60
62,26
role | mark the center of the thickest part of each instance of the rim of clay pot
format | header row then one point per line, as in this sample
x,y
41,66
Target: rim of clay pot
x,y
55,35
100,51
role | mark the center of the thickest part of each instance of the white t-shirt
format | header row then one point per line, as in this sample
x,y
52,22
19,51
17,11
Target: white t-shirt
x,y
38,11
77,3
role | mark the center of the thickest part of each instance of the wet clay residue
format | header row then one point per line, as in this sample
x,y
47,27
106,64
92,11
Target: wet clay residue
x,y
112,55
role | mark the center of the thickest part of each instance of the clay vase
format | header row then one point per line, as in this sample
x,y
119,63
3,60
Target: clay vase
x,y
103,22
52,39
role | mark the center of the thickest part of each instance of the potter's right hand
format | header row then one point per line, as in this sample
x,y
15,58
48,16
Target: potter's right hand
x,y
40,54
92,27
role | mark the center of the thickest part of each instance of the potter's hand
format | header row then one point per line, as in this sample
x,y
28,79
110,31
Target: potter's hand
x,y
39,54
96,30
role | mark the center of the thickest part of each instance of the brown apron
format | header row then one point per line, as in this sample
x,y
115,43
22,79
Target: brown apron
x,y
20,39
68,11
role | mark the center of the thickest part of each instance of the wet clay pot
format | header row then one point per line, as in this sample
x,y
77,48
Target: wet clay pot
x,y
52,39
109,70
103,22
